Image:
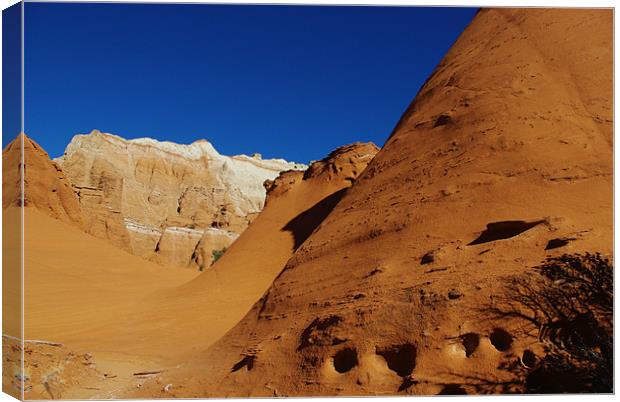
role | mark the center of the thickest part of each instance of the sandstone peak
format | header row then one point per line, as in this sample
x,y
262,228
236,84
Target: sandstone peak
x,y
349,158
45,186
343,164
97,139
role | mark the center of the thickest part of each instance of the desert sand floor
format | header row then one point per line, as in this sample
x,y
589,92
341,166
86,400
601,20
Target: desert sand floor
x,y
79,291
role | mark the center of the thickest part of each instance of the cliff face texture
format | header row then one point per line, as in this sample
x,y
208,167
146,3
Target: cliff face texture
x,y
45,185
172,204
411,284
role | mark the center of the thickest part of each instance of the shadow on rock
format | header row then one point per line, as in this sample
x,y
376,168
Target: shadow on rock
x,y
568,301
305,223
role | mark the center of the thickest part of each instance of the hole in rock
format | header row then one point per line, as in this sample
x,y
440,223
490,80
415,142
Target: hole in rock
x,y
501,339
399,358
442,120
427,258
454,294
345,360
528,359
247,361
503,230
556,243
452,389
470,343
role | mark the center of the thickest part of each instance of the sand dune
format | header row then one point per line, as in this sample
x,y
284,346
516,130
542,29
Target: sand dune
x,y
46,188
506,148
71,299
80,291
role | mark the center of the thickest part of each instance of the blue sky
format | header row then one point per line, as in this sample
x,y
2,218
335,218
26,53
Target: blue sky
x,y
11,73
285,81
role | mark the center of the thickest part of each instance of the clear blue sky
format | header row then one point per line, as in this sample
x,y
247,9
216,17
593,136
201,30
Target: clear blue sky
x,y
11,73
286,81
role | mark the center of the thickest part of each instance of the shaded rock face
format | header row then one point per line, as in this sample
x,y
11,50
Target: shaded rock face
x,y
166,202
514,127
45,185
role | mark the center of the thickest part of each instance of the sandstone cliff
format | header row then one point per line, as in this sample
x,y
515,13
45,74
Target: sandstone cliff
x,y
416,282
173,204
45,185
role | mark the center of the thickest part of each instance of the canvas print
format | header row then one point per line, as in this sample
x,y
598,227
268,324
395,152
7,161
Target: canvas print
x,y
219,200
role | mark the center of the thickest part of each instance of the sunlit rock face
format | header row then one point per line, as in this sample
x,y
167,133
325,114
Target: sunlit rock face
x,y
171,203
45,186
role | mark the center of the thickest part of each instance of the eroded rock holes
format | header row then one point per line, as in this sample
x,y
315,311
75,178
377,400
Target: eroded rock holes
x,y
345,360
501,339
399,358
470,343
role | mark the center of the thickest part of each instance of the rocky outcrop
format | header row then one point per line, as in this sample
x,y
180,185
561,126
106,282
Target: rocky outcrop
x,y
166,202
45,186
